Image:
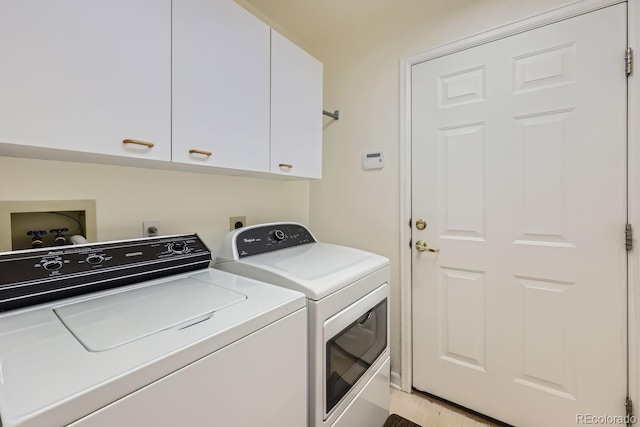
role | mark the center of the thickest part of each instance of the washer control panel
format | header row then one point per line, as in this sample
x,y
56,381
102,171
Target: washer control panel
x,y
267,238
45,271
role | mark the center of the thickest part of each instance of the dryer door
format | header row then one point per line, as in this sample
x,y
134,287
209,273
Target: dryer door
x,y
353,340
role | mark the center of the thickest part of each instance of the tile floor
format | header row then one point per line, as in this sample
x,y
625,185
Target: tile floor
x,y
428,412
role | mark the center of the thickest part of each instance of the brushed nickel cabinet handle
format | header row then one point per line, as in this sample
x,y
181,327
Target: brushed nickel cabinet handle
x,y
138,142
285,165
204,153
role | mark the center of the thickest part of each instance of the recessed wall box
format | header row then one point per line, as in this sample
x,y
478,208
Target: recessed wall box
x,y
53,221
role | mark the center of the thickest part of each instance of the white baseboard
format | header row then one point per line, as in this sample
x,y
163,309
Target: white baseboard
x,y
396,380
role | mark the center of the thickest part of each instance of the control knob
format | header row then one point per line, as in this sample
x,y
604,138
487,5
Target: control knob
x,y
178,247
95,259
278,234
52,265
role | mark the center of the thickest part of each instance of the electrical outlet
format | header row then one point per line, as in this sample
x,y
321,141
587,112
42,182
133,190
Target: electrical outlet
x,y
150,228
237,222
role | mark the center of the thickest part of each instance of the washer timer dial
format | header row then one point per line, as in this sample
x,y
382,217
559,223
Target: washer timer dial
x,y
178,248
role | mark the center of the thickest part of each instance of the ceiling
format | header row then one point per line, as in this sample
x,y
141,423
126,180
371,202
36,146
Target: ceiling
x,y
313,20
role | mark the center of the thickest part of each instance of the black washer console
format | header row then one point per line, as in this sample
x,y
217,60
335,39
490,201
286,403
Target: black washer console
x,y
34,276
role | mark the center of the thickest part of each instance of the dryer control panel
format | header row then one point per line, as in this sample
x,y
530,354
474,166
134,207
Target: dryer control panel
x,y
270,237
33,276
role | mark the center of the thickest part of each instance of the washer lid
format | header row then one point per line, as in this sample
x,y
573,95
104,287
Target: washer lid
x,y
47,378
316,269
110,321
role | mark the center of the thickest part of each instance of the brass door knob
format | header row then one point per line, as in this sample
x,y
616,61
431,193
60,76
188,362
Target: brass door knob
x,y
421,245
421,224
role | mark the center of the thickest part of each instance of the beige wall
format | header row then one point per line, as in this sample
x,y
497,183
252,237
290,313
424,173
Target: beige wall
x,y
182,202
361,55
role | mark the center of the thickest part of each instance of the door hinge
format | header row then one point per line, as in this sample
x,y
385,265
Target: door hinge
x,y
629,408
410,223
628,237
628,59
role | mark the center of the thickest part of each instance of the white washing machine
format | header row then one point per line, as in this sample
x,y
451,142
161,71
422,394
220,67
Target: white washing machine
x,y
143,333
348,305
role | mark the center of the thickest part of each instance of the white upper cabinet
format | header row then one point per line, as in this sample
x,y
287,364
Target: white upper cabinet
x,y
86,75
296,110
191,82
221,60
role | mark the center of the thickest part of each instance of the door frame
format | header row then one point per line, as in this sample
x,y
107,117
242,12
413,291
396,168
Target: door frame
x,y
404,380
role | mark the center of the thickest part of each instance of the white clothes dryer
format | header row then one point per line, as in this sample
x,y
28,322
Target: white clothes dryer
x,y
348,306
143,333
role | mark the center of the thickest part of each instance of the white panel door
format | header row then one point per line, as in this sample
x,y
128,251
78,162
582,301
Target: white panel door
x,y
296,110
86,75
519,157
221,86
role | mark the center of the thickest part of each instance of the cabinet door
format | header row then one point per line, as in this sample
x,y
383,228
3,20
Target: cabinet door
x,y
296,110
220,86
84,75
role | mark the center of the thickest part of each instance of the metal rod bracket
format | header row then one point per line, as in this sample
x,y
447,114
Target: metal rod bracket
x,y
335,115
